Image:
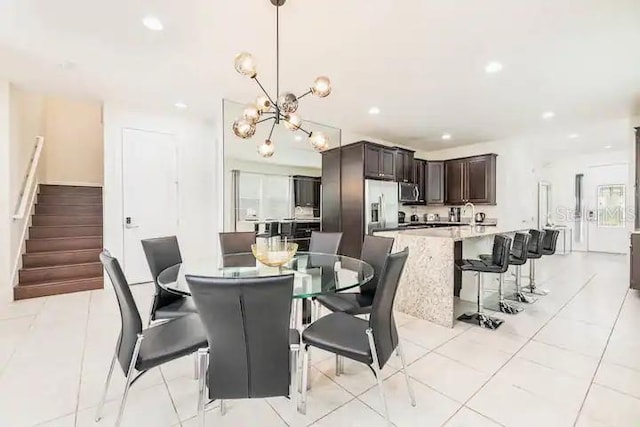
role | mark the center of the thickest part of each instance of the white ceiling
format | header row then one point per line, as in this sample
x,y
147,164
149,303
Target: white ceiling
x,y
420,61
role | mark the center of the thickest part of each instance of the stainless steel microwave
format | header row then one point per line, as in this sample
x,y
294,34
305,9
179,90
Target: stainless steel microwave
x,y
408,192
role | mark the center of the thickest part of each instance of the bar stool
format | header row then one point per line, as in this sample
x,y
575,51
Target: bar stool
x,y
517,257
549,241
498,264
534,253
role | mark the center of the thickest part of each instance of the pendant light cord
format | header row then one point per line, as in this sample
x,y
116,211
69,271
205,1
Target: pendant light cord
x,y
277,51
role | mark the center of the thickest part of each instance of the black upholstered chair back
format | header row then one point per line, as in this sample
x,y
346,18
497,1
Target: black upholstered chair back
x,y
501,251
549,241
131,324
375,251
161,253
325,243
381,319
237,242
536,242
247,325
520,247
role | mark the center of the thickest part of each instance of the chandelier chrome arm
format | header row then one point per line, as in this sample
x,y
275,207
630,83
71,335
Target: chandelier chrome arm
x,y
309,92
266,120
264,90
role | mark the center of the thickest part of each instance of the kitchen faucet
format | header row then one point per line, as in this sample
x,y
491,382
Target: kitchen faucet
x,y
473,213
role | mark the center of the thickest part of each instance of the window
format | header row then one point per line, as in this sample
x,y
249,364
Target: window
x,y
611,205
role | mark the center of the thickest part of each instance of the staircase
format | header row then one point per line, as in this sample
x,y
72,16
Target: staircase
x,y
65,239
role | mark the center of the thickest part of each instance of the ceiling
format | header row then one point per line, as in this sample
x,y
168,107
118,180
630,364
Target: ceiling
x,y
421,62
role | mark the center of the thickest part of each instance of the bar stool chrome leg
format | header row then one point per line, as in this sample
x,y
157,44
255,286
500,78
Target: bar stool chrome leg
x,y
503,305
532,288
519,295
480,318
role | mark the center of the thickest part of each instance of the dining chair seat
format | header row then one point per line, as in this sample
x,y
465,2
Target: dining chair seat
x,y
341,334
171,340
348,302
176,309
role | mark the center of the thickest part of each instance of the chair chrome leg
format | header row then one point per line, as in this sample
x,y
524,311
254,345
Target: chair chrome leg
x,y
132,366
338,372
400,352
106,386
378,373
479,317
203,361
196,366
293,387
223,408
305,379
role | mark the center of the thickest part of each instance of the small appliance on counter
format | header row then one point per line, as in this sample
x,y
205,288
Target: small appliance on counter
x,y
415,218
431,217
401,217
454,214
480,216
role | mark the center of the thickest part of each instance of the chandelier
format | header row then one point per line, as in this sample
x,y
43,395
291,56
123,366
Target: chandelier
x,y
283,109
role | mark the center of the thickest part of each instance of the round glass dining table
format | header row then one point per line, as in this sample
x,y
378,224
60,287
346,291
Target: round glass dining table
x,y
314,273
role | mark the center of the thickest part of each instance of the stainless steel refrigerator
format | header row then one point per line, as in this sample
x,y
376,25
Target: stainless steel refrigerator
x,y
380,205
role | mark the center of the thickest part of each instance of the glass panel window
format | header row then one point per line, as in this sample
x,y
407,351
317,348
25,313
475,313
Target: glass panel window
x,y
611,205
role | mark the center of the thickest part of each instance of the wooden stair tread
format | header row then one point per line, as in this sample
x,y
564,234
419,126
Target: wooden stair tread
x,y
80,264
57,287
67,226
60,282
65,251
72,237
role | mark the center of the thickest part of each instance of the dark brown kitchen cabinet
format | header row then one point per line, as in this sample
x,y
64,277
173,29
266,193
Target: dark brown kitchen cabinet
x,y
420,179
404,165
634,253
379,162
471,179
434,173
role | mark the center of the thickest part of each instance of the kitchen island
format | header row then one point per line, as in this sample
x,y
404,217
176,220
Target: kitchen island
x,y
431,283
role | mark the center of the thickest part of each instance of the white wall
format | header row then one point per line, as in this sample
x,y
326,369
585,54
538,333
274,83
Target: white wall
x,y
26,123
198,173
5,209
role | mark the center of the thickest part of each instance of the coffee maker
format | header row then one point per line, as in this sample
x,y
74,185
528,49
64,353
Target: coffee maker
x,y
454,214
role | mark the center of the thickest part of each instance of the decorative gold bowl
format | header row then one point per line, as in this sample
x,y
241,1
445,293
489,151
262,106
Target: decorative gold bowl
x,y
274,256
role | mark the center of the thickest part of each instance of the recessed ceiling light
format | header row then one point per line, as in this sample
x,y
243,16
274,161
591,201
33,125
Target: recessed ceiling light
x,y
607,146
493,67
180,105
374,110
446,136
547,115
573,135
298,138
152,23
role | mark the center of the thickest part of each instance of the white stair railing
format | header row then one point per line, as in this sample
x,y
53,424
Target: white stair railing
x,y
30,185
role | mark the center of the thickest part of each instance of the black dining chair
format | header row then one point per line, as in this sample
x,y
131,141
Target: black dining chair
x,y
252,352
372,341
375,251
162,253
139,349
236,242
325,243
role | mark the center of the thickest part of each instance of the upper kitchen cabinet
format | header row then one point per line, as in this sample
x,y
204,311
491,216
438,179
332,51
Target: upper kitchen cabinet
x,y
420,179
379,162
434,173
471,179
404,165
306,191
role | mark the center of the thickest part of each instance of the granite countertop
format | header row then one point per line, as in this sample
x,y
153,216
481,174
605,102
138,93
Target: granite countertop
x,y
431,224
285,220
458,233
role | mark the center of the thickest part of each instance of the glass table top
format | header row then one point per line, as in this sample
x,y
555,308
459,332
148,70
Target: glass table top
x,y
314,273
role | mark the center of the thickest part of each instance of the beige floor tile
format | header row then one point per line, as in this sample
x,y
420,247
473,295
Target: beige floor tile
x,y
574,335
466,417
611,407
512,406
353,414
66,421
447,376
567,361
429,335
248,412
482,357
357,377
619,378
432,408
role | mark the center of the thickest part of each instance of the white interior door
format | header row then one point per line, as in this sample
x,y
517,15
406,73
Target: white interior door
x,y
150,195
605,196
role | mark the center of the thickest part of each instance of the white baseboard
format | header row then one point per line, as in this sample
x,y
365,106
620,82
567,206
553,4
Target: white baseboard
x,y
74,183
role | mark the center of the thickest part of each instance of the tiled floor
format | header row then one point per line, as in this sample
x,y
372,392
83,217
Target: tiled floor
x,y
569,359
